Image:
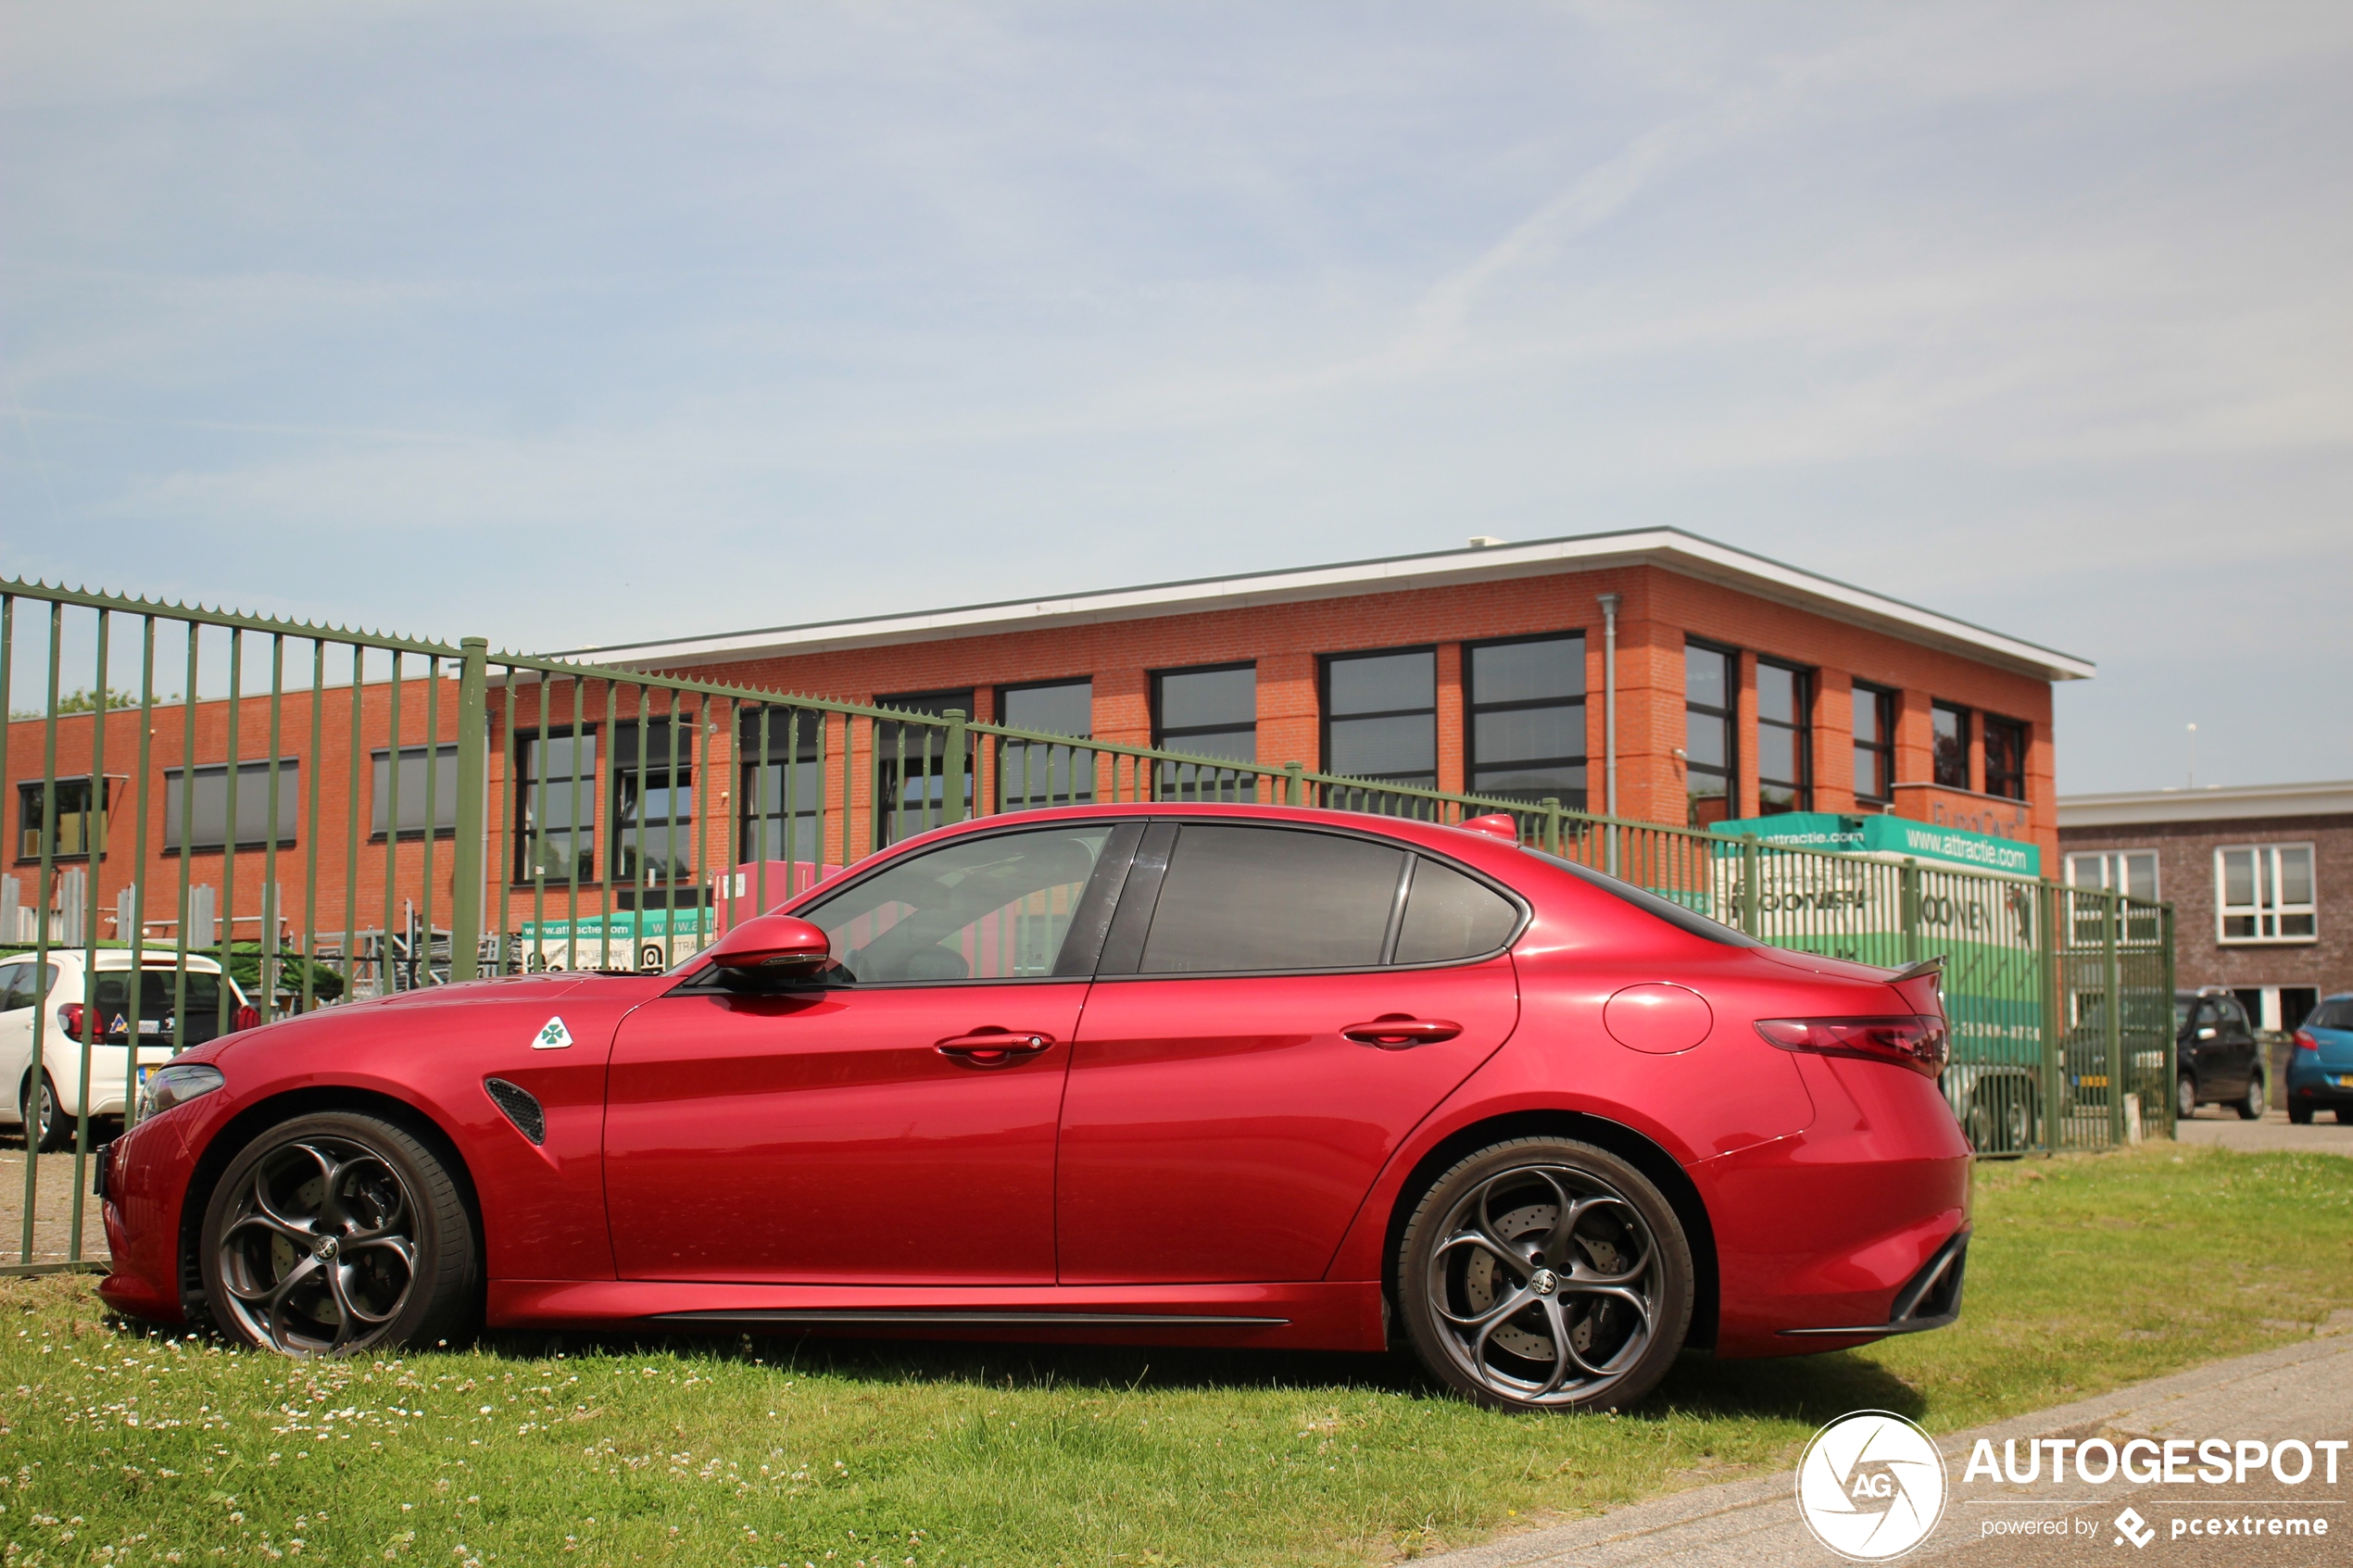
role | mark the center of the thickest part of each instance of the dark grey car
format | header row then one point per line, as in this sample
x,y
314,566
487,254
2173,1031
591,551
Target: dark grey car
x,y
2222,1061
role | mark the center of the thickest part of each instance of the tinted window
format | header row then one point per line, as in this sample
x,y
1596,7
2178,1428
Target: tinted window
x,y
1262,898
2334,1013
1450,916
978,909
2229,1014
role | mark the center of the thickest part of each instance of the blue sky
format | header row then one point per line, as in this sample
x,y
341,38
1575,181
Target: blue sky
x,y
572,323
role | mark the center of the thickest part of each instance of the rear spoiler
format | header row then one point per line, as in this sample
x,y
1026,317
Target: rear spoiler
x,y
1930,968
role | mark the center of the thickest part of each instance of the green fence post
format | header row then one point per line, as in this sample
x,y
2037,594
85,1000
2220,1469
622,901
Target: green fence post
x,y
2172,1064
1749,867
1294,785
1908,898
951,805
1552,822
2111,1016
2052,905
474,783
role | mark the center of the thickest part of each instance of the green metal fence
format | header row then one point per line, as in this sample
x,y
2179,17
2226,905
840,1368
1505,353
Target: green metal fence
x,y
240,810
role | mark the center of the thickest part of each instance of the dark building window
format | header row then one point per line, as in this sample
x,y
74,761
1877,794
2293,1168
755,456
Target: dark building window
x,y
556,837
1381,716
781,756
423,770
2005,759
1710,687
911,764
205,826
1949,727
1209,712
1874,745
1526,719
653,803
1030,774
1784,740
74,822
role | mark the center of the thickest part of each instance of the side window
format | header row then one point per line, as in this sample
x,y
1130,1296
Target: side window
x,y
2228,1014
1241,898
11,980
20,991
977,909
1449,916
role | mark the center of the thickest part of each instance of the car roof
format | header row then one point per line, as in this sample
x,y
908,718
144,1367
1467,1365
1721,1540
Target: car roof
x,y
119,959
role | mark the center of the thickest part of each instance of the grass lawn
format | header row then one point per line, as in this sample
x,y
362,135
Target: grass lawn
x,y
119,1448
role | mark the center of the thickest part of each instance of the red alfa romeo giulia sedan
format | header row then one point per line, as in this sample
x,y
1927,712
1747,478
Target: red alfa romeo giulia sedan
x,y
1205,1075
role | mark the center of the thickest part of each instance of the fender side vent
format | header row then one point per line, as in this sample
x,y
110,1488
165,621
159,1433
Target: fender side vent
x,y
520,1108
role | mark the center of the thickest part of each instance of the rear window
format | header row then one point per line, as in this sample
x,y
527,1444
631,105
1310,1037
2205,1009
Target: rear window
x,y
1237,898
160,997
1673,913
2334,1013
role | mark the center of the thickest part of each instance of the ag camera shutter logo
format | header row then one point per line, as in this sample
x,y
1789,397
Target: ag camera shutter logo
x,y
1872,1486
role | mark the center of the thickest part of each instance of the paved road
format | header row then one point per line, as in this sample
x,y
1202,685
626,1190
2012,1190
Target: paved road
x,y
2224,1129
2303,1391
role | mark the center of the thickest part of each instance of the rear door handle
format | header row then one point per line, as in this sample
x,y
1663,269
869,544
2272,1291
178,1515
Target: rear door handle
x,y
1398,1032
993,1047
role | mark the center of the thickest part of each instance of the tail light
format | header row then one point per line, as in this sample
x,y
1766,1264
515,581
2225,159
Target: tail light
x,y
1913,1040
2304,1042
70,1020
246,1018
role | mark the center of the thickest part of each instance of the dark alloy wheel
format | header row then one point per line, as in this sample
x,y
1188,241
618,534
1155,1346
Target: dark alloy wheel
x,y
336,1233
2185,1097
1544,1274
2252,1104
46,1130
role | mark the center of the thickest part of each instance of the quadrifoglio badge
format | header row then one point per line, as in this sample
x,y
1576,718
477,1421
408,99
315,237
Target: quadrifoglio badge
x,y
1872,1486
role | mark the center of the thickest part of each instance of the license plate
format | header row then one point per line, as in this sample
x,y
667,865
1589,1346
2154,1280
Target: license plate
x,y
2091,1080
2343,1080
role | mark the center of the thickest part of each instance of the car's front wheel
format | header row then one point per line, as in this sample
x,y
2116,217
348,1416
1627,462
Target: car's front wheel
x,y
336,1233
1544,1274
2252,1104
2185,1097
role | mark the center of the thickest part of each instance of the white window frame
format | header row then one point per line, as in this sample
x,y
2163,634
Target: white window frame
x,y
2268,917
2110,860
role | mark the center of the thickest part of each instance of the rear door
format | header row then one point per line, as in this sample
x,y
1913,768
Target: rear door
x,y
1276,1009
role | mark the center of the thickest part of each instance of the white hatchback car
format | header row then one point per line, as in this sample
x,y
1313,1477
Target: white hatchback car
x,y
54,1102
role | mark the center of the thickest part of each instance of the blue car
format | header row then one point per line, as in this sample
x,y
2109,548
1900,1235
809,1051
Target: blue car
x,y
2320,1066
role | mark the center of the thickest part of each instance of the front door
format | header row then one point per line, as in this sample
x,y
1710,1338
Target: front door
x,y
861,1128
1275,1009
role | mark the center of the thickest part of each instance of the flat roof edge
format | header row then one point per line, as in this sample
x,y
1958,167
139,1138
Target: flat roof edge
x,y
2328,797
1670,549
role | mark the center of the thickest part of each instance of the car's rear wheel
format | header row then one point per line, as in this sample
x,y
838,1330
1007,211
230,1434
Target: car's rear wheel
x,y
336,1233
1544,1274
2254,1102
2345,1115
46,1127
2300,1112
2185,1097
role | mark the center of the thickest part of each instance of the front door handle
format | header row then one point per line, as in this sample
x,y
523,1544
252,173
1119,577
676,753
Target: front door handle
x,y
1397,1031
993,1047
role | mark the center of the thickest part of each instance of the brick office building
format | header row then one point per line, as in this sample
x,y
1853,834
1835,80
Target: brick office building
x,y
1741,687
2260,879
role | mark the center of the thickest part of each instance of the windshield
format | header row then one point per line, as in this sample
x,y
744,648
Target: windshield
x,y
162,993
1680,916
2182,1006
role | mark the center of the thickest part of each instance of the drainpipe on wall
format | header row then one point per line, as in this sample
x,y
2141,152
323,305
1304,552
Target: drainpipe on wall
x,y
1609,720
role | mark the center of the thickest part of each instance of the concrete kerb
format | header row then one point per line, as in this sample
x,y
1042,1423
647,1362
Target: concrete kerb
x,y
1754,1524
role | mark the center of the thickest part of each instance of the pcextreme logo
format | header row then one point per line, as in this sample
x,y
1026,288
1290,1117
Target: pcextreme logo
x,y
1872,1486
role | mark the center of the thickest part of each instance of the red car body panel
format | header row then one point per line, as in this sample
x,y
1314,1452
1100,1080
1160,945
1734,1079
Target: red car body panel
x,y
1207,1149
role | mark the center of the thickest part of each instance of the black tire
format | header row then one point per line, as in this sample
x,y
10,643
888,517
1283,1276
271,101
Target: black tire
x,y
2300,1113
2185,1097
2001,1124
47,1131
2345,1115
2254,1102
337,1233
1610,1316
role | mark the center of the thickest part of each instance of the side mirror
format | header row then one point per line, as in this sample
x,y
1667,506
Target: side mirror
x,y
776,946
2207,1033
